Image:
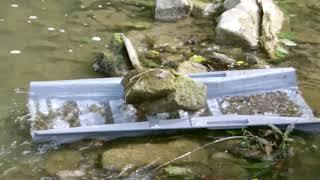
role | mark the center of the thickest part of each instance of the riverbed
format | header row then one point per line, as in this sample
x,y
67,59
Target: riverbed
x,y
58,39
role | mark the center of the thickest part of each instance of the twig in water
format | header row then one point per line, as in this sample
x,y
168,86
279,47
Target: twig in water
x,y
140,74
194,150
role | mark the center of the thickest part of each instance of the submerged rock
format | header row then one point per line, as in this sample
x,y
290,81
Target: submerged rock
x,y
272,21
114,61
62,160
225,166
70,175
172,10
140,154
240,23
188,67
157,90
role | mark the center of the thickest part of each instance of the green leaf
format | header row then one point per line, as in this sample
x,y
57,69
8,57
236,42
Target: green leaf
x,y
233,132
281,52
286,35
177,171
198,59
288,42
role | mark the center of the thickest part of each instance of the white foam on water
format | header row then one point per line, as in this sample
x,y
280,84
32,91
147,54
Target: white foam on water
x,y
58,123
43,106
56,104
91,119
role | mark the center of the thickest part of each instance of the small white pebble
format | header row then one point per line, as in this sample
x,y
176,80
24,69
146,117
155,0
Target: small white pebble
x,y
100,6
29,21
62,30
70,50
15,52
51,29
33,17
96,38
82,6
109,3
1,20
14,5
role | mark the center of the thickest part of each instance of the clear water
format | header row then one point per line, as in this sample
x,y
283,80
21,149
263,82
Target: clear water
x,y
46,40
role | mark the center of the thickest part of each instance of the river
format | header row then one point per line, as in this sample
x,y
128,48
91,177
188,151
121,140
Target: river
x,y
47,40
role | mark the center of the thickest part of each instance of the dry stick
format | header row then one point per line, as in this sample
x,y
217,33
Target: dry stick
x,y
194,150
131,52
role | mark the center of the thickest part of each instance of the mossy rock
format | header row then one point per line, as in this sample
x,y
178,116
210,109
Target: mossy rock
x,y
158,90
114,61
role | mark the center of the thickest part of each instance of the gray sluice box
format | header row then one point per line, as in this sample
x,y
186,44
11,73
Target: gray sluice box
x,y
72,110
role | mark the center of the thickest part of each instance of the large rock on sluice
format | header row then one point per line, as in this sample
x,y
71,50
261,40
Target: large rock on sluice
x,y
157,90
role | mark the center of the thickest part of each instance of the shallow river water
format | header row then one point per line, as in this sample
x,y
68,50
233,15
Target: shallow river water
x,y
57,39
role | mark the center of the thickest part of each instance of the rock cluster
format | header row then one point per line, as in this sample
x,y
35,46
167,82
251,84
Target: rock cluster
x,y
157,90
251,23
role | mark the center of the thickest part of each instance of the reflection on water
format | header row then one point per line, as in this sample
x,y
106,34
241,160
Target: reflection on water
x,y
55,39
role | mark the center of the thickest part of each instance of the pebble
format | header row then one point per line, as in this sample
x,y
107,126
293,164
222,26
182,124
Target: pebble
x,y
14,5
33,17
96,38
15,52
51,29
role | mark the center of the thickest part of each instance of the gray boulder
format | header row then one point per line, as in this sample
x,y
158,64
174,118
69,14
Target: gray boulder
x,y
272,21
240,24
172,10
202,9
229,4
157,90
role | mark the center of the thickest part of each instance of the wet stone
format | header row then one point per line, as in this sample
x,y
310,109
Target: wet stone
x,y
140,154
271,103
